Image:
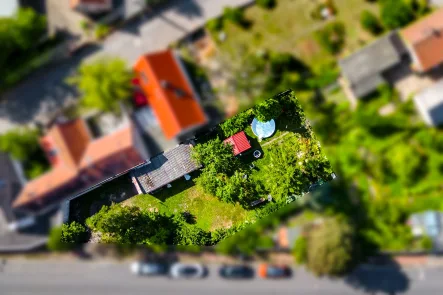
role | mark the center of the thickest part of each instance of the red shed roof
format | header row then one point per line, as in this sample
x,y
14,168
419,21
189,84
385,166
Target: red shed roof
x,y
239,141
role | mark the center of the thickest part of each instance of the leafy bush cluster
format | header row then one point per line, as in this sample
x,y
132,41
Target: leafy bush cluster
x,y
19,36
236,124
103,84
234,15
266,3
267,110
222,175
23,145
370,22
332,37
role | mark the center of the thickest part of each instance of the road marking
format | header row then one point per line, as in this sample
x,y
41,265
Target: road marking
x,y
421,274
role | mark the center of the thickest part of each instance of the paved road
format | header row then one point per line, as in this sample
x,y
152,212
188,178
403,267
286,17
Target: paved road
x,y
46,91
24,277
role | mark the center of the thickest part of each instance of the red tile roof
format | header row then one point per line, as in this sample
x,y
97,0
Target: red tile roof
x,y
169,93
75,155
239,141
425,39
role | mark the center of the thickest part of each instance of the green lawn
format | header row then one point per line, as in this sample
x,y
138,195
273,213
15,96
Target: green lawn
x,y
289,28
210,213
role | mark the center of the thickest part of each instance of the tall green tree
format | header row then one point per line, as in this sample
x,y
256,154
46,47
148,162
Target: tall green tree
x,y
331,246
20,143
103,84
370,22
215,155
267,110
395,13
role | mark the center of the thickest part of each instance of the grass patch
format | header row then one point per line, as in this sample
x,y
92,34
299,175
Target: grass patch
x,y
210,213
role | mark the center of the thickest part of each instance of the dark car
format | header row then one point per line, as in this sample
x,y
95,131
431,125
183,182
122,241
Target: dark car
x,y
271,271
236,272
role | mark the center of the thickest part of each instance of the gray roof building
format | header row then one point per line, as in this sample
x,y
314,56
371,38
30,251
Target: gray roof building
x,y
364,69
10,186
165,168
429,103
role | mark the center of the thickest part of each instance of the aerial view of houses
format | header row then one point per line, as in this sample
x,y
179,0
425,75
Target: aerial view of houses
x,y
208,123
253,163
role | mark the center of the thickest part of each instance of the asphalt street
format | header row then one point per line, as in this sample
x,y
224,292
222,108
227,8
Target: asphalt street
x,y
44,92
84,278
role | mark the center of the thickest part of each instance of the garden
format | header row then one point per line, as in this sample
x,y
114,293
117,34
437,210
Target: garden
x,y
236,186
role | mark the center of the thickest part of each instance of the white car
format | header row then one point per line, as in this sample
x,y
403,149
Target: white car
x,y
148,269
188,271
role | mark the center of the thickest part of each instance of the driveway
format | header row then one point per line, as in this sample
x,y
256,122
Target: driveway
x,y
46,91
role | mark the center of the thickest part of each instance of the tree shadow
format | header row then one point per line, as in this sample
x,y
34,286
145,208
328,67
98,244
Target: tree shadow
x,y
189,217
388,278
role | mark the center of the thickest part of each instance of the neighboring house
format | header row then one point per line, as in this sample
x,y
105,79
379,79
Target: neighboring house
x,y
80,160
170,93
91,6
424,40
429,103
365,70
428,223
158,172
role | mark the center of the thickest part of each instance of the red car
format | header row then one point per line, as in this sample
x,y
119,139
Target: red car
x,y
272,271
139,98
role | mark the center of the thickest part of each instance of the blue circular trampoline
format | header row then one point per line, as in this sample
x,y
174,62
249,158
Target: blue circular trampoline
x,y
263,129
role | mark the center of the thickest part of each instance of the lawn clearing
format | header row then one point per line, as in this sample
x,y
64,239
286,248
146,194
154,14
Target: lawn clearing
x,y
289,28
210,213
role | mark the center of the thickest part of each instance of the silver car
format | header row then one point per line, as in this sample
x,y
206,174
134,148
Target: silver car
x,y
188,271
148,269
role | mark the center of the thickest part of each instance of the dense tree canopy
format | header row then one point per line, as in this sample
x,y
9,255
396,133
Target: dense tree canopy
x,y
395,13
104,84
370,22
236,124
267,110
74,233
330,248
19,35
215,155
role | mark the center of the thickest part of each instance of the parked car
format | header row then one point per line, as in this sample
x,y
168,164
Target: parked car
x,y
148,268
271,271
236,272
188,271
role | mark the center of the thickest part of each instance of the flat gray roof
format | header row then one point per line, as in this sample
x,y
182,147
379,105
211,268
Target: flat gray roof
x,y
8,7
165,168
429,103
363,68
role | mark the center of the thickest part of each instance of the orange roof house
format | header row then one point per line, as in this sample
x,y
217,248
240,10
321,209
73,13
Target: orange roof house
x,y
424,39
91,6
170,93
79,161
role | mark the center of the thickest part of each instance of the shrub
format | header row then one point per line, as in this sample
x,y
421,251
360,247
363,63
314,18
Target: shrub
x,y
215,24
267,110
426,243
234,15
74,233
395,14
332,37
330,248
215,155
300,250
370,22
101,31
55,243
236,124
266,3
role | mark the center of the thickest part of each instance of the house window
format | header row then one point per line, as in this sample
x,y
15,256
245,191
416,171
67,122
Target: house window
x,y
144,78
